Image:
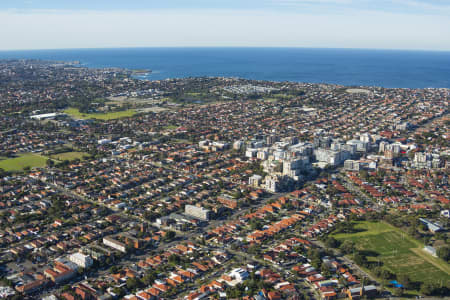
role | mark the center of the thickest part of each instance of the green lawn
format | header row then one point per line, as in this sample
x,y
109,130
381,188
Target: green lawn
x,y
271,99
69,156
278,97
193,94
24,160
74,112
398,252
171,127
283,96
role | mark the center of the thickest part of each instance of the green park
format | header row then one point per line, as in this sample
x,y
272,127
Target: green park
x,y
75,113
32,160
397,252
23,161
70,156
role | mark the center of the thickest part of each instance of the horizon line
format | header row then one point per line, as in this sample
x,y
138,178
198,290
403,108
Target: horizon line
x,y
221,47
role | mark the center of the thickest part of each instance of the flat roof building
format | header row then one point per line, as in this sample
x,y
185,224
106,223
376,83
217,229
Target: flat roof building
x,y
198,212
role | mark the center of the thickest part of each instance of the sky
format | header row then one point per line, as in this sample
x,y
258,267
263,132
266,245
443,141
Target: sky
x,y
375,24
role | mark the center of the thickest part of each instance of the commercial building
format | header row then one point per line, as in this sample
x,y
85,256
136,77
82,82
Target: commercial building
x,y
47,116
227,201
352,165
81,260
239,274
272,184
331,157
237,145
426,160
59,273
361,146
369,291
31,287
255,180
198,212
109,241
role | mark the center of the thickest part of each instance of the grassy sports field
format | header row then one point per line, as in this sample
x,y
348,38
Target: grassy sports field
x,y
398,252
100,116
69,156
22,161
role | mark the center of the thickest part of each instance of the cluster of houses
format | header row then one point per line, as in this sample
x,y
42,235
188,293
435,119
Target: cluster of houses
x,y
181,169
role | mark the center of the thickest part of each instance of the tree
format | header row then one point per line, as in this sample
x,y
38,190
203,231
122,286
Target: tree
x,y
170,235
404,280
345,227
314,253
253,249
174,259
360,259
398,292
386,274
434,288
133,284
347,247
316,263
423,227
427,288
118,291
149,277
66,288
325,270
256,224
50,163
235,292
444,253
331,242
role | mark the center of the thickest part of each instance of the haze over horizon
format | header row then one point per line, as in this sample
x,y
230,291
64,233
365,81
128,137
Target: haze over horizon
x,y
381,24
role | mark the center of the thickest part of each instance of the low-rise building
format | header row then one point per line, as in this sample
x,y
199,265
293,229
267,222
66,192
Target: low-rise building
x,y
109,241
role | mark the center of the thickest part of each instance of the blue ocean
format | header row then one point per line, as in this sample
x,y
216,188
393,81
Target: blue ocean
x,y
351,67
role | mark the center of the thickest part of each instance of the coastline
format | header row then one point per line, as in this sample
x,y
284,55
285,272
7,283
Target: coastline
x,y
347,67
